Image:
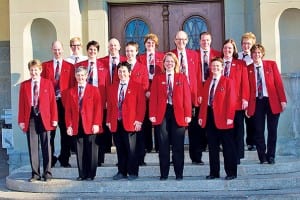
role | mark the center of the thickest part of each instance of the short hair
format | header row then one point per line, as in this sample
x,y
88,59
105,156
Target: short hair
x,y
93,43
125,64
235,51
133,43
258,46
73,39
205,33
217,58
248,35
81,69
151,36
34,62
171,54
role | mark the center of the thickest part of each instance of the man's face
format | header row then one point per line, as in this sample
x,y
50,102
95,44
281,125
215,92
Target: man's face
x,y
114,47
205,42
181,40
131,52
92,52
57,50
76,47
81,77
123,73
35,72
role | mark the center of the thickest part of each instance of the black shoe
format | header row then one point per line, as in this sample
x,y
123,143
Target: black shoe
x,y
66,165
90,179
198,163
53,161
47,178
263,161
142,163
162,178
119,176
34,179
271,161
230,177
80,178
251,148
179,178
210,177
132,177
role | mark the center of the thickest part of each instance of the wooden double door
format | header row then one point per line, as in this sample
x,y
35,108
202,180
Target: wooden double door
x,y
133,21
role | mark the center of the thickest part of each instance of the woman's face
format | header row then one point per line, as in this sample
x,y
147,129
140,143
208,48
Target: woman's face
x,y
92,52
257,56
169,64
228,50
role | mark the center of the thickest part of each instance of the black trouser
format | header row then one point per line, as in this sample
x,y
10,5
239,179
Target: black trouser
x,y
87,153
215,137
250,131
126,143
171,134
263,111
38,135
197,137
239,134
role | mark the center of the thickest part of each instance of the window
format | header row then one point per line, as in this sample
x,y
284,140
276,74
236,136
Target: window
x,y
135,30
193,26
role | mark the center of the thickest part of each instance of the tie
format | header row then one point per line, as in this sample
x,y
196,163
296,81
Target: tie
x,y
90,77
226,70
36,97
80,96
120,102
76,59
244,55
151,64
57,75
169,89
183,69
259,84
205,65
211,92
113,67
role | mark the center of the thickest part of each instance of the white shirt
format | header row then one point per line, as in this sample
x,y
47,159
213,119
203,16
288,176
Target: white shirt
x,y
71,59
95,72
172,83
247,58
262,74
148,64
32,85
202,61
124,88
217,79
185,62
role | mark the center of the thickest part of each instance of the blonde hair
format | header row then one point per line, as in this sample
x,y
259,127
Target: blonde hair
x,y
35,62
171,54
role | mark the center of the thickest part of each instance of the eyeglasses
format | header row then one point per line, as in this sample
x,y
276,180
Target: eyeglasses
x,y
181,39
75,45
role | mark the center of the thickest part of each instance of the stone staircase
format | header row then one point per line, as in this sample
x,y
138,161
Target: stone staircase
x,y
252,176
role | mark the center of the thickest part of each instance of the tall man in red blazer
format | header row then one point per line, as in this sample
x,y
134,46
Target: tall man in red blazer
x,y
61,73
189,63
37,117
125,114
170,108
237,71
98,76
217,115
267,100
84,120
205,55
153,59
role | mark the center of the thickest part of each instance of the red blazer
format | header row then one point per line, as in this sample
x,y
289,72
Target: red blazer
x,y
133,107
105,62
239,76
212,53
103,79
91,111
181,98
194,74
47,104
223,104
158,61
67,74
274,86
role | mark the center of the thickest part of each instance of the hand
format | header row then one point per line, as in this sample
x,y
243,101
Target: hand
x,y
54,123
283,105
22,126
109,126
200,122
152,119
70,131
246,113
229,121
147,94
95,129
187,119
244,104
137,125
200,100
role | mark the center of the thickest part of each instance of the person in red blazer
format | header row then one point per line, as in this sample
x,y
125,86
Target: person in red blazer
x,y
61,73
237,71
125,113
76,48
218,120
153,60
98,76
37,116
205,54
170,108
110,62
188,60
84,114
267,99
